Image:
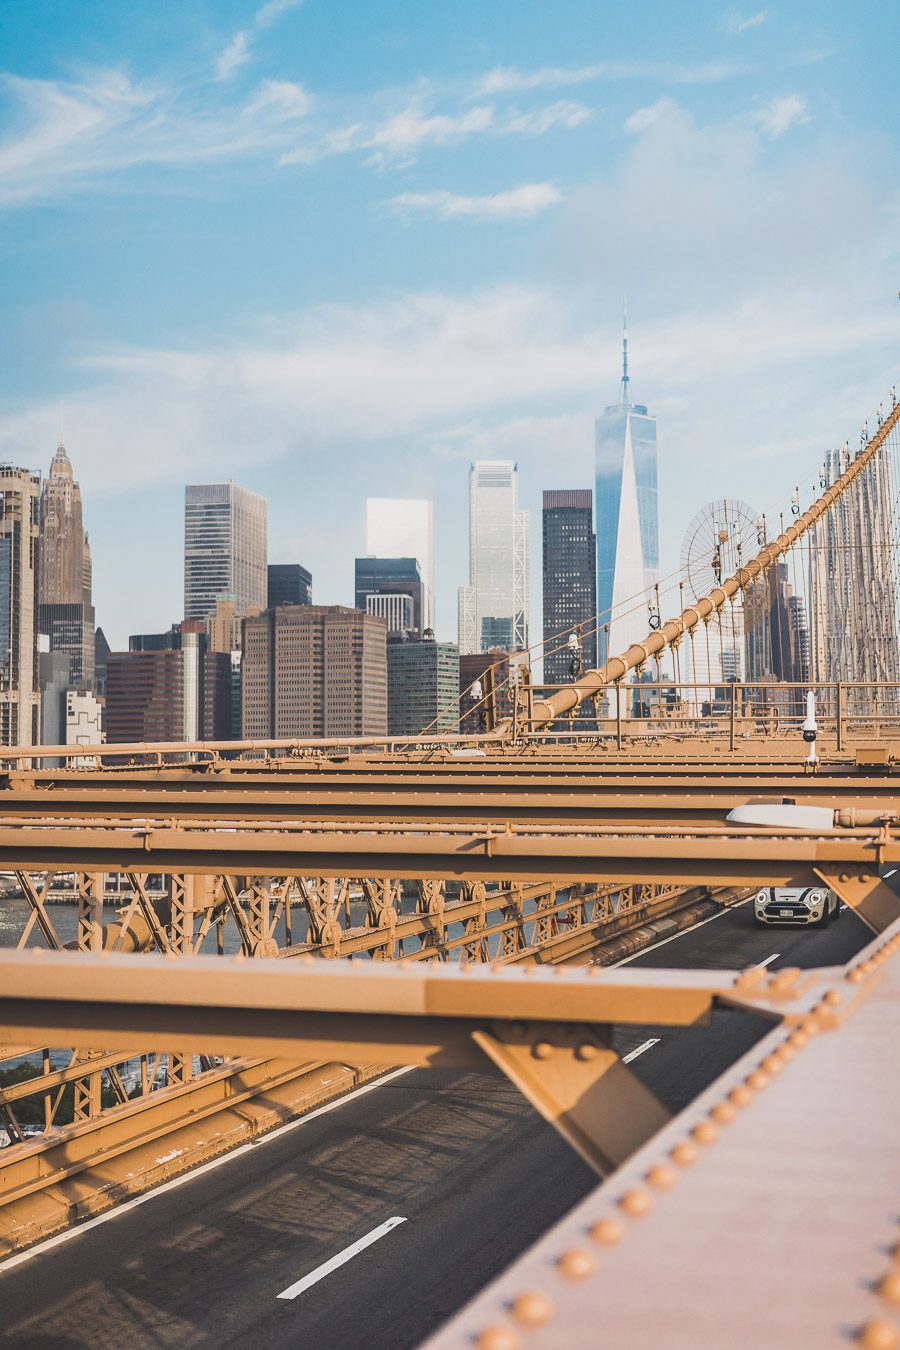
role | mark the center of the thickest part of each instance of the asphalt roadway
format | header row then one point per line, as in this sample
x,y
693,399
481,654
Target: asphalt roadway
x,y
473,1173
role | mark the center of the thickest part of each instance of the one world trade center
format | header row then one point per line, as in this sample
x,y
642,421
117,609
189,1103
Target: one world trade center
x,y
627,519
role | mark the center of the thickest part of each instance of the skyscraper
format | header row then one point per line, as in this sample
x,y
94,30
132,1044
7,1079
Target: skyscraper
x,y
377,578
570,580
289,584
64,554
423,686
314,670
65,611
627,516
225,548
19,532
403,527
493,607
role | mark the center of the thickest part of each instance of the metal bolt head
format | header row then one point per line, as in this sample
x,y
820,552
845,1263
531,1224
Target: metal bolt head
x,y
576,1264
740,1095
723,1113
662,1177
542,1050
498,1338
757,1080
889,1288
879,1334
684,1154
532,1308
607,1232
587,1050
833,997
635,1202
705,1132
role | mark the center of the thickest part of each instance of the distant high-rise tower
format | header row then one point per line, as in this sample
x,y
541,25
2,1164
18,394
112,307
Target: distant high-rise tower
x,y
65,609
570,581
19,532
225,548
627,516
382,584
314,670
289,584
64,553
493,608
403,527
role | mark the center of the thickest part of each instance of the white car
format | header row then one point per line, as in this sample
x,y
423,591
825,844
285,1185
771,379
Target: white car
x,y
795,905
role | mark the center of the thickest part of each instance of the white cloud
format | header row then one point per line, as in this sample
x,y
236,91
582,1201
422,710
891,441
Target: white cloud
x,y
516,203
398,139
268,13
781,114
645,117
281,98
68,135
240,49
696,211
235,55
735,24
538,120
510,80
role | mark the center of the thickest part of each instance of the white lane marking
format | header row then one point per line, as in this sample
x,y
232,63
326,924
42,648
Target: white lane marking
x,y
198,1171
768,961
648,1045
684,933
342,1258
890,873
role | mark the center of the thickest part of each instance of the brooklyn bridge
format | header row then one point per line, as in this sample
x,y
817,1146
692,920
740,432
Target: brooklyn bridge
x,y
482,1037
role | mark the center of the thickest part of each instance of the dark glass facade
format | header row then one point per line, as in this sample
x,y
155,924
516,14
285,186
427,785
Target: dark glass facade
x,y
289,584
390,576
570,580
423,687
70,628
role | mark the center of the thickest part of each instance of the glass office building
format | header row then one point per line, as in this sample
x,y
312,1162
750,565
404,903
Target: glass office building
x,y
493,608
225,548
570,581
403,527
627,519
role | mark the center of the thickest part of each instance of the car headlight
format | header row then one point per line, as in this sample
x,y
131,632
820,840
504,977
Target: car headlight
x,y
815,898
761,897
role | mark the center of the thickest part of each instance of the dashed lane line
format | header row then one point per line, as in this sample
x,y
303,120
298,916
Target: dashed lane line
x,y
648,1045
342,1258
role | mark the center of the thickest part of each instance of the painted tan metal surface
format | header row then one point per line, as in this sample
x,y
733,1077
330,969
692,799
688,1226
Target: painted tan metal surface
x,y
764,1215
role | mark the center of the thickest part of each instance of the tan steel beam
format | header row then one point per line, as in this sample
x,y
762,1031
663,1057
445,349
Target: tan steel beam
x,y
550,1034
712,855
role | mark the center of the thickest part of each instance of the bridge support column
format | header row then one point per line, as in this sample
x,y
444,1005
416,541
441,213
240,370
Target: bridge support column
x,y
578,1083
872,898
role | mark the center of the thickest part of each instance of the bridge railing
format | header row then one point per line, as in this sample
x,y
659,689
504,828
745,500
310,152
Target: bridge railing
x,y
847,712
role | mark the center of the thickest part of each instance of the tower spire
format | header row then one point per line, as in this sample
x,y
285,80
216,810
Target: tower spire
x,y
626,393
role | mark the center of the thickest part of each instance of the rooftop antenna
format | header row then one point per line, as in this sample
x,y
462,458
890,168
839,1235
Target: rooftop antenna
x,y
62,439
626,397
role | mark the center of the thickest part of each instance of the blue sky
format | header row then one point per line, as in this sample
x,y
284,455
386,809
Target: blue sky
x,y
335,250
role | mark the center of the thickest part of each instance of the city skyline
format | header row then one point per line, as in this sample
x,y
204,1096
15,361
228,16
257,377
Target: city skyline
x,y
311,308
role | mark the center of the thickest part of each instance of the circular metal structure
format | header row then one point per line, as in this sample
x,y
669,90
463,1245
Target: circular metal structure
x,y
721,537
